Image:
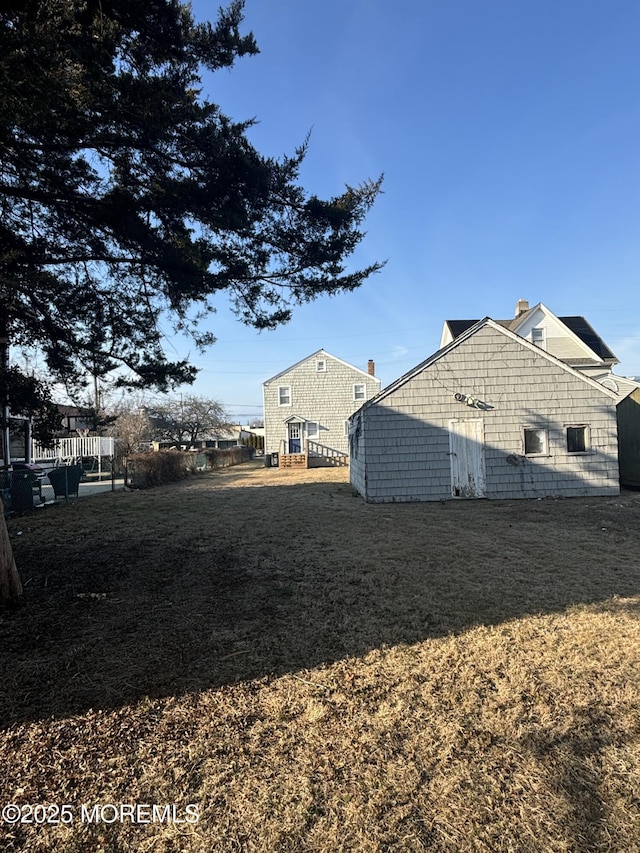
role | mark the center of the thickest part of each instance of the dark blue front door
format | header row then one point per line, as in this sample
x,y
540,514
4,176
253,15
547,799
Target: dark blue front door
x,y
295,441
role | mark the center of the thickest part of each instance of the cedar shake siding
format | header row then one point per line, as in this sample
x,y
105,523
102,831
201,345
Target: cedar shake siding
x,y
535,427
320,392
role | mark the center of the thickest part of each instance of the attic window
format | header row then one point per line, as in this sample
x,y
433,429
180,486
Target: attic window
x,y
321,365
360,392
577,439
535,441
538,337
611,384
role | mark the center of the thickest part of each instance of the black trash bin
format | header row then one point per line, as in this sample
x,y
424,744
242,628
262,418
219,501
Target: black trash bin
x,y
26,485
21,492
267,460
65,480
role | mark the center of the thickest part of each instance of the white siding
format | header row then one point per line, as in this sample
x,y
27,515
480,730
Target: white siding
x,y
558,340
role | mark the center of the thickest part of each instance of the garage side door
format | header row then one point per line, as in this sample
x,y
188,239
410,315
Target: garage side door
x,y
466,450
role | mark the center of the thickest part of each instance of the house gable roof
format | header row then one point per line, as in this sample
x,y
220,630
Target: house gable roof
x,y
464,336
295,419
321,353
577,328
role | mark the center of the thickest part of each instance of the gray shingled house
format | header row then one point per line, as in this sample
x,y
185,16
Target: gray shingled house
x,y
490,414
307,406
574,340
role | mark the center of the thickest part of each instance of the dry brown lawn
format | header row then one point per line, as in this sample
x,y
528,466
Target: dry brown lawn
x,y
317,674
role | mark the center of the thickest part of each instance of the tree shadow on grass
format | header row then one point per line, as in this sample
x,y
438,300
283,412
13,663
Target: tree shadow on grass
x,y
574,766
185,589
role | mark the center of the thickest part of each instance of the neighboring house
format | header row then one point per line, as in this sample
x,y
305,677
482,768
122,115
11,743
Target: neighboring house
x,y
72,419
490,415
571,339
253,437
19,439
222,439
307,406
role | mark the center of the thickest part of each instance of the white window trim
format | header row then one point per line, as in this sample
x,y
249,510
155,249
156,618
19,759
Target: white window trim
x,y
542,343
362,399
315,435
587,439
282,388
545,433
321,365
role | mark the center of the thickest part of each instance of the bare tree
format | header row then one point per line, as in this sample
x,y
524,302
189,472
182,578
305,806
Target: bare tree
x,y
187,419
132,428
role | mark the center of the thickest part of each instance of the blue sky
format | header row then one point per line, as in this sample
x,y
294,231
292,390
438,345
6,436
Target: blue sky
x,y
509,137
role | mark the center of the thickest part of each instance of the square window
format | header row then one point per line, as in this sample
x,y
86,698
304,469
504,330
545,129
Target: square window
x,y
313,430
284,395
535,442
321,365
360,392
577,439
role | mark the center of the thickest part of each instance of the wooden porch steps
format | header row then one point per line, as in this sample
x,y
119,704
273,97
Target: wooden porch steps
x,y
293,460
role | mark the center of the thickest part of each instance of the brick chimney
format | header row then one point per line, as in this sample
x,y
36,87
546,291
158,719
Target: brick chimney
x,y
521,306
371,367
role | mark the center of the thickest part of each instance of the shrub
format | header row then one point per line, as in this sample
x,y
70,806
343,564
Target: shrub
x,y
225,458
155,469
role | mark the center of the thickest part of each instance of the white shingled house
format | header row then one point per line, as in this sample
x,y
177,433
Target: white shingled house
x,y
571,339
490,414
307,406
